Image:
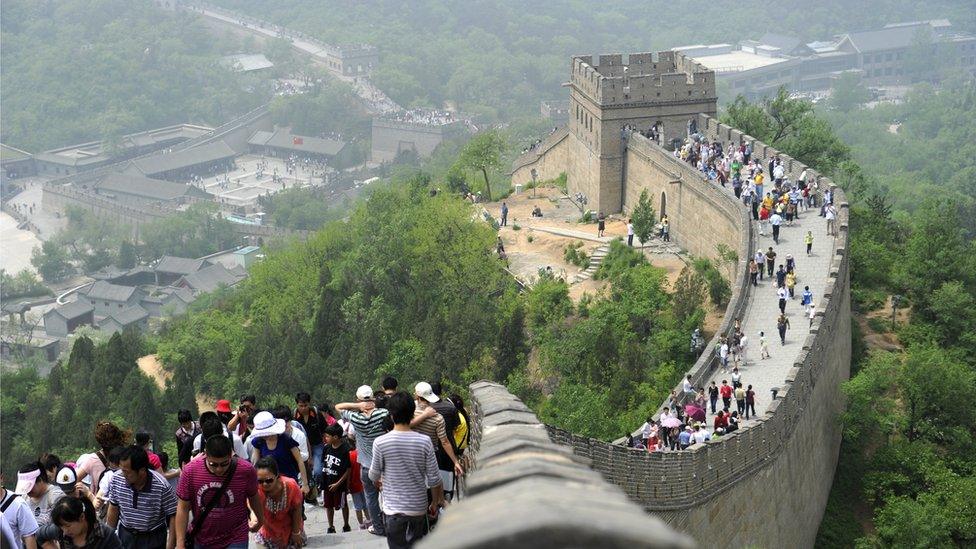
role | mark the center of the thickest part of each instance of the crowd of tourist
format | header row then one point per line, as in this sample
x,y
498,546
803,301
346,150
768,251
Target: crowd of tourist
x,y
393,456
774,201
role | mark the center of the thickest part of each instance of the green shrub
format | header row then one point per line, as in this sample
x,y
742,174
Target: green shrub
x,y
587,217
868,299
516,227
879,324
530,238
619,259
719,290
575,255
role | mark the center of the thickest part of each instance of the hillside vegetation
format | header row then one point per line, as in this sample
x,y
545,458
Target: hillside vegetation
x,y
80,70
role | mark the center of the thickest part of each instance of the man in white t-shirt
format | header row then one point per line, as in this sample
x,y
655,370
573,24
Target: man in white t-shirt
x,y
701,434
39,495
22,523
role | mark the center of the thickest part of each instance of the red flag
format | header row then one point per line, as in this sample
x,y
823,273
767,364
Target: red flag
x,y
297,141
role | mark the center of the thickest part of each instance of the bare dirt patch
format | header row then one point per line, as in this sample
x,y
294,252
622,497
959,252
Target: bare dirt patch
x,y
153,368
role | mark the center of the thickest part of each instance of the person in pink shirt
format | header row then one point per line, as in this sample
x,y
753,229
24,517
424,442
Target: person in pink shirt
x,y
219,522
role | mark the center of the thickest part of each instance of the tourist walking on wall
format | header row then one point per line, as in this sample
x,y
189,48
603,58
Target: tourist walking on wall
x,y
770,261
753,272
763,346
740,399
831,214
808,240
812,313
750,402
782,324
782,294
282,501
806,299
760,259
217,490
369,422
726,391
776,220
142,503
404,467
791,283
713,395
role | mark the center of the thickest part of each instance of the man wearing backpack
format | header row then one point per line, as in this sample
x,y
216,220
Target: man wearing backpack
x,y
314,423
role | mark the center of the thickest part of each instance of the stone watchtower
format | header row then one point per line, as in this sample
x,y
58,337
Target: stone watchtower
x,y
665,91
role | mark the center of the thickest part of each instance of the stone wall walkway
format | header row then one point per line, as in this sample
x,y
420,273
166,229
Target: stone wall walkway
x,y
763,308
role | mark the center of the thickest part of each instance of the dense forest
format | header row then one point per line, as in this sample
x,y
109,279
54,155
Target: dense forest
x,y
80,70
408,285
498,59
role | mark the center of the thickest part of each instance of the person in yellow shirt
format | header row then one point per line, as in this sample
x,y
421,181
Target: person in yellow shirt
x,y
791,282
808,240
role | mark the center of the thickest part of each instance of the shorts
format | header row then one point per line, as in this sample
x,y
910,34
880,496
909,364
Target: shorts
x,y
359,501
447,479
334,500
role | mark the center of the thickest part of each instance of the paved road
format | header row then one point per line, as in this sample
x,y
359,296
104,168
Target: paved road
x,y
763,307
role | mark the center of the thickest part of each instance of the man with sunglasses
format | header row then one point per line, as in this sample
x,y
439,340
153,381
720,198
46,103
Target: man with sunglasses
x,y
219,488
141,503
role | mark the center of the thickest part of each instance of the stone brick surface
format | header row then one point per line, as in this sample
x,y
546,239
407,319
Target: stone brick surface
x,y
527,490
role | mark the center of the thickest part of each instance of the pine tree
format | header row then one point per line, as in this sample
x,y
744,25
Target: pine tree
x,y
643,218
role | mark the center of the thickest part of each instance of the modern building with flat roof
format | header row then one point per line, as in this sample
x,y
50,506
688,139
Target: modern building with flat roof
x,y
94,154
755,68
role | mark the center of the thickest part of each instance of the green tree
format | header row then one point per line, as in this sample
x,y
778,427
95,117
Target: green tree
x,y
483,154
127,255
643,218
848,92
789,125
689,295
51,261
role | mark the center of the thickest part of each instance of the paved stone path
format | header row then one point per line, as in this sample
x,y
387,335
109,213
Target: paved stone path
x,y
763,308
317,524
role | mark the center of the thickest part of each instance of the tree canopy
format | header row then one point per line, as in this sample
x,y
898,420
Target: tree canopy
x,y
78,70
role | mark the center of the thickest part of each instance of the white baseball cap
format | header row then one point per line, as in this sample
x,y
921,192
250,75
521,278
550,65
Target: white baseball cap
x,y
364,392
424,391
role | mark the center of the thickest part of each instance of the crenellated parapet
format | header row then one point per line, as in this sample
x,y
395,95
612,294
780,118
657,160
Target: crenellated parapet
x,y
639,78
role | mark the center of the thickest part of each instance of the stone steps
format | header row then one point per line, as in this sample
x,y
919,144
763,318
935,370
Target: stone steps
x,y
595,260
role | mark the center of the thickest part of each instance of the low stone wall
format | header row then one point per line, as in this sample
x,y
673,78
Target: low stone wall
x,y
523,491
549,159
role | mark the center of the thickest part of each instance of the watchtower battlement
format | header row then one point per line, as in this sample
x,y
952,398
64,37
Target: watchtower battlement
x,y
658,93
627,80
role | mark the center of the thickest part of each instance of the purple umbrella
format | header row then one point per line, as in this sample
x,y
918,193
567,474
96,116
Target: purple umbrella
x,y
694,412
671,422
